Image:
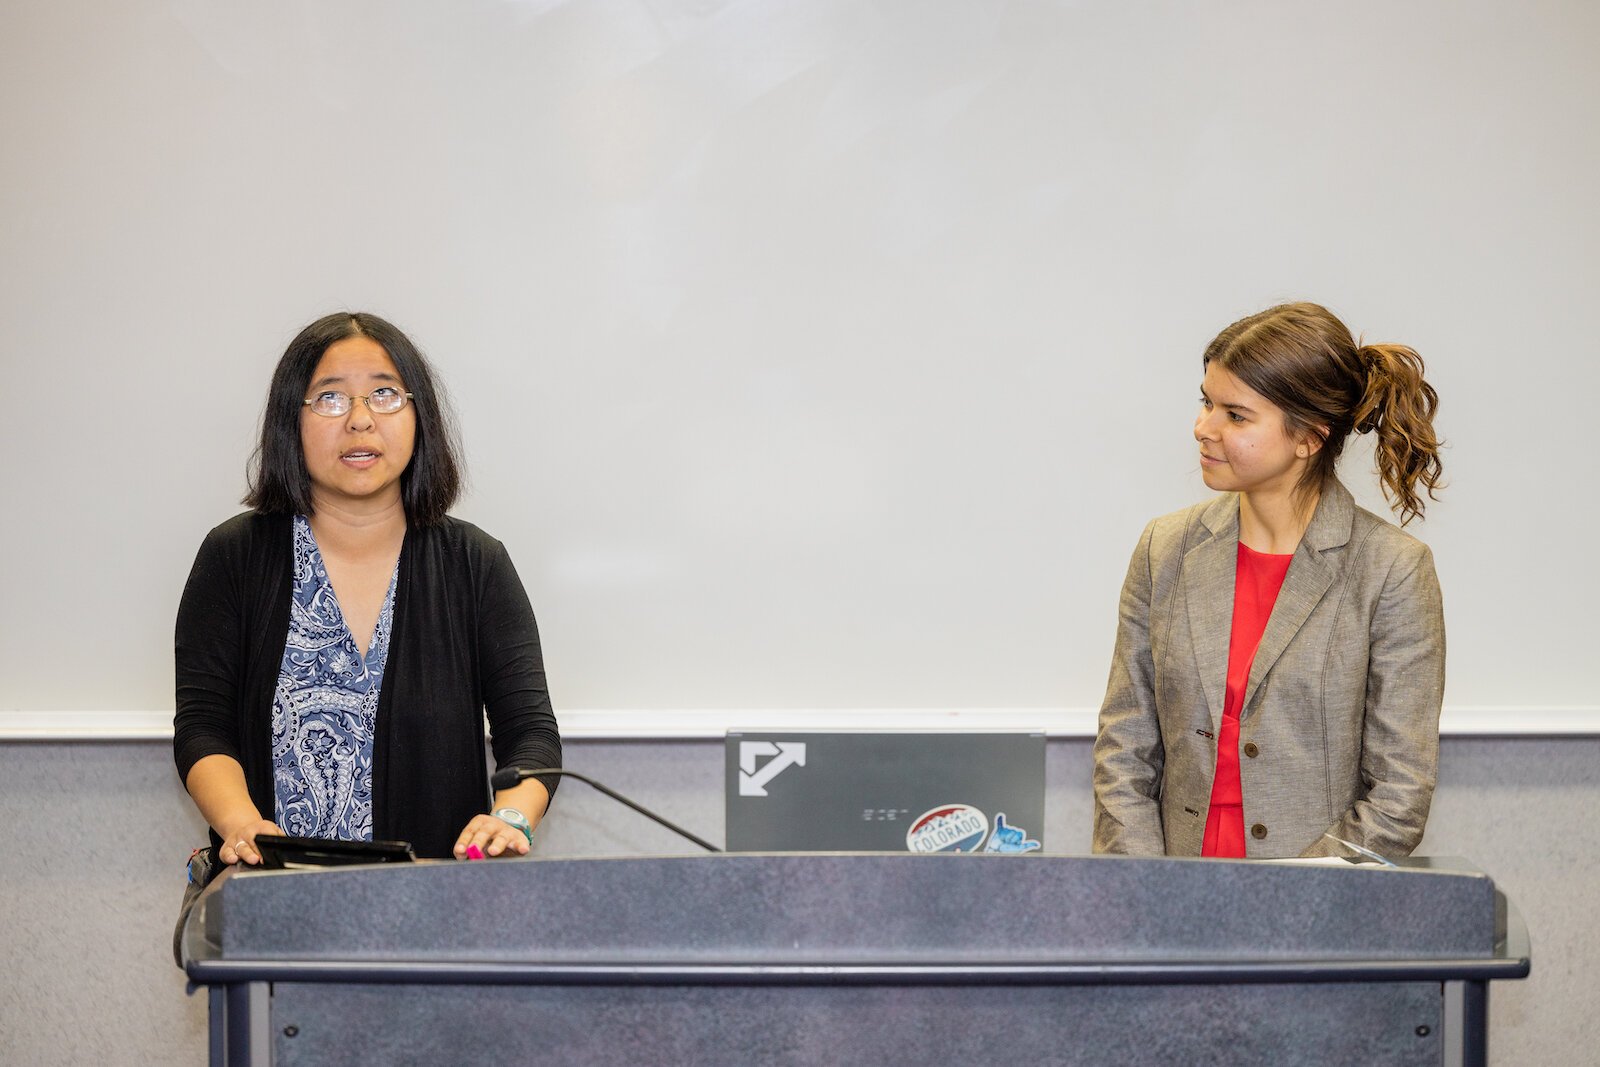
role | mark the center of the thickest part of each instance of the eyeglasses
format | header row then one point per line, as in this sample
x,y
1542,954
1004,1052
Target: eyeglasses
x,y
383,401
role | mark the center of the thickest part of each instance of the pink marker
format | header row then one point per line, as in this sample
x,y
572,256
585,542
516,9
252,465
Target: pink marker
x,y
475,853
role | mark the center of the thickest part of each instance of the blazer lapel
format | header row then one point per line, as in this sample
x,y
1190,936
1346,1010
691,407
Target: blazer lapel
x,y
1208,578
1307,581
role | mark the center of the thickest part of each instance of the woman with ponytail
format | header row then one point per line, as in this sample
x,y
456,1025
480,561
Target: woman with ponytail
x,y
1279,663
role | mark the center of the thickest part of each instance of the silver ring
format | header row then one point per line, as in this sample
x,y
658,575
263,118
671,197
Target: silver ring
x,y
240,845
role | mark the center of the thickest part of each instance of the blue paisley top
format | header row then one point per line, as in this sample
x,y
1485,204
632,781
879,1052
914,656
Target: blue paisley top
x,y
325,707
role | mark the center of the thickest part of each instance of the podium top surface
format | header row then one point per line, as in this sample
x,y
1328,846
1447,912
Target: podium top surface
x,y
830,910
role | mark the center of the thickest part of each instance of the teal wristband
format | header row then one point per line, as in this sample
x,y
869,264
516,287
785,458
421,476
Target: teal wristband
x,y
513,817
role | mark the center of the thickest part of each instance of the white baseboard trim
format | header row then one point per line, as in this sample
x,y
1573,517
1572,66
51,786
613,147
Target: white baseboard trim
x,y
633,724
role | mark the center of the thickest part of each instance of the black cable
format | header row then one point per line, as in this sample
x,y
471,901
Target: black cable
x,y
510,776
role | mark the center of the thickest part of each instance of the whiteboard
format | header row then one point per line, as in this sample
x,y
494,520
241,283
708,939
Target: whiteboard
x,y
809,356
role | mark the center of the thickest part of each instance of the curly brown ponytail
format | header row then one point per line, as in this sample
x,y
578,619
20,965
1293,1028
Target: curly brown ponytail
x,y
1304,360
1398,405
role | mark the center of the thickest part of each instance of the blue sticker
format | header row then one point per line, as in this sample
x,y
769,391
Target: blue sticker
x,y
1009,838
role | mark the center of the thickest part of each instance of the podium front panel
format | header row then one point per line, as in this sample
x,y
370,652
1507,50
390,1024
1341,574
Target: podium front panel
x,y
709,1026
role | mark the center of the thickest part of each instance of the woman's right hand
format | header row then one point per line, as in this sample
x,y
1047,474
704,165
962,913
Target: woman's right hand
x,y
216,782
239,842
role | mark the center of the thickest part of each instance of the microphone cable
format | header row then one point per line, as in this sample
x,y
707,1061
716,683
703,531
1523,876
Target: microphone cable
x,y
510,776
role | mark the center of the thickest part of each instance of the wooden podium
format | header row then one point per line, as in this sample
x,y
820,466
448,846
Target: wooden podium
x,y
861,958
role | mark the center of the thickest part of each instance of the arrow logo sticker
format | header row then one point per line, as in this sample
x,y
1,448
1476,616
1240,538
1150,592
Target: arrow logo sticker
x,y
784,754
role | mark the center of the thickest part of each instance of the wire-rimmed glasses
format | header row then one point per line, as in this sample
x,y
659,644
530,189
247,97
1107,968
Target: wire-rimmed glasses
x,y
384,400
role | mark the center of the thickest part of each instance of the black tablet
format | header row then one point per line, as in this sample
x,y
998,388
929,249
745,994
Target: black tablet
x,y
297,853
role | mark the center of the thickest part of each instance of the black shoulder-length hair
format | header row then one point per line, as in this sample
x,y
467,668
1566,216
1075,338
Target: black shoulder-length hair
x,y
279,483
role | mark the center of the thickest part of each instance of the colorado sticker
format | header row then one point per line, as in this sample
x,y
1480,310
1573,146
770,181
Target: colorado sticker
x,y
948,828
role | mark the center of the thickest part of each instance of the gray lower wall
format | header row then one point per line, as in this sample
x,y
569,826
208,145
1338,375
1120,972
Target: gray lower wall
x,y
93,838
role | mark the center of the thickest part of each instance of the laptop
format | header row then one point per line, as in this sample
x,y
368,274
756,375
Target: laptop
x,y
801,791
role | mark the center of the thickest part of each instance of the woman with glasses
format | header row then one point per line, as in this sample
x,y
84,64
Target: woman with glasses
x,y
338,644
1279,663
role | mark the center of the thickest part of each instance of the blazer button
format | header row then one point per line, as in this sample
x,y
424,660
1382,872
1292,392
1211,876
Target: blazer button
x,y
1258,831
1251,750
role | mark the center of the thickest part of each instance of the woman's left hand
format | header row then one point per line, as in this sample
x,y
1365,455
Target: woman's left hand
x,y
495,837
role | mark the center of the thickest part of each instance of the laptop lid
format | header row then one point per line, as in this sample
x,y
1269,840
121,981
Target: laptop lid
x,y
884,792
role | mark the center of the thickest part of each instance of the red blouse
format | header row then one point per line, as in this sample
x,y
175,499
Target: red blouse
x,y
1255,589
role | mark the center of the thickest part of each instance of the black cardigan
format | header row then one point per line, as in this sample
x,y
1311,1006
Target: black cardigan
x,y
463,638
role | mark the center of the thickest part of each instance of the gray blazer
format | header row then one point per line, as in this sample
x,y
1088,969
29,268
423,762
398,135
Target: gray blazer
x,y
1340,727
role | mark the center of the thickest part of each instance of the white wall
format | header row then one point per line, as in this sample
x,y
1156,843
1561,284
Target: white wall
x,y
809,354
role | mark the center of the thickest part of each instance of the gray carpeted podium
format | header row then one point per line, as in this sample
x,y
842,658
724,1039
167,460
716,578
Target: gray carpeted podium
x,y
859,958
